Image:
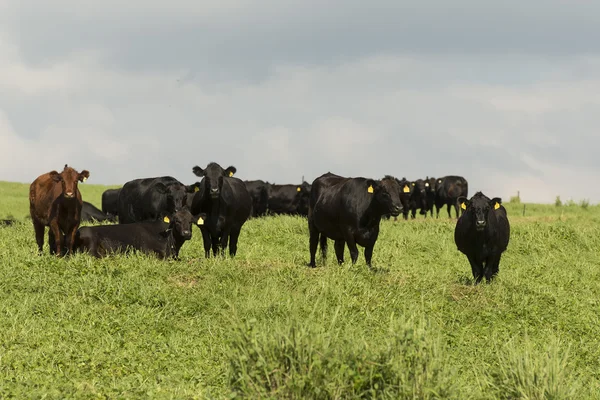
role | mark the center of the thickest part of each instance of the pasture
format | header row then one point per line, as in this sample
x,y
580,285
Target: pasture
x,y
264,325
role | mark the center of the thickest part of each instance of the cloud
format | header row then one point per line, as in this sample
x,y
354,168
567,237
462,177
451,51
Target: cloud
x,y
112,89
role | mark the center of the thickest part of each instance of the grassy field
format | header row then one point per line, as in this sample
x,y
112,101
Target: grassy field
x,y
265,326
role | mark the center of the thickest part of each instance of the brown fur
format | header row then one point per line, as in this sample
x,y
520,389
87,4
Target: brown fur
x,y
55,201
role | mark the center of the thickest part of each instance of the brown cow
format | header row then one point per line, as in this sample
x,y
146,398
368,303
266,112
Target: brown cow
x,y
55,201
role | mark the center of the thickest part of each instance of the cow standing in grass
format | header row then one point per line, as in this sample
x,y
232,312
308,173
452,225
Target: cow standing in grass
x,y
259,191
430,193
449,189
418,198
55,201
482,233
289,199
227,205
349,210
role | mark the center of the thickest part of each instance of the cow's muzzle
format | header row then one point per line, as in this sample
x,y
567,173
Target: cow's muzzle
x,y
214,193
396,211
480,225
69,195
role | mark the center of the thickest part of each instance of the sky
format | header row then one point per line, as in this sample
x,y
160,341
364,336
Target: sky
x,y
506,94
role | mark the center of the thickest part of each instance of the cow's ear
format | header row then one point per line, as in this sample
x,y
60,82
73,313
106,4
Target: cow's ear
x,y
495,203
55,176
372,184
198,171
200,218
463,202
193,187
230,171
83,175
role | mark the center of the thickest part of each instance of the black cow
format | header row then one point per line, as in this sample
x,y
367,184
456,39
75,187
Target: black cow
x,y
150,199
482,233
449,189
418,198
90,213
348,210
162,237
430,192
110,201
259,191
227,205
405,192
289,199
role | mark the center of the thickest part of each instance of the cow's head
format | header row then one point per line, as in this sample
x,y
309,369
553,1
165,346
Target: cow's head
x,y
68,179
430,185
386,193
181,223
176,195
479,207
213,176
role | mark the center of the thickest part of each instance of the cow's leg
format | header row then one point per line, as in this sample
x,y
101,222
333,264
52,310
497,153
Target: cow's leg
x,y
233,241
339,251
491,267
369,254
215,244
476,269
405,213
39,228
206,239
224,240
456,209
313,243
51,242
323,244
70,239
349,239
413,212
437,211
58,237
448,207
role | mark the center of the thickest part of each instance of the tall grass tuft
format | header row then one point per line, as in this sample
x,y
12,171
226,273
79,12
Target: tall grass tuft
x,y
523,373
296,360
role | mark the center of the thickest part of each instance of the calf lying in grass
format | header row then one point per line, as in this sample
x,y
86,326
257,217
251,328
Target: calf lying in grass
x,y
164,238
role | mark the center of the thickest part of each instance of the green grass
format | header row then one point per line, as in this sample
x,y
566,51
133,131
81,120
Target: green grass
x,y
265,326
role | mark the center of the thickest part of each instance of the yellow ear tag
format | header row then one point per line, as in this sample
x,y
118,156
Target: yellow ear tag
x,y
496,206
413,184
84,179
166,219
298,189
200,221
463,206
406,189
230,173
370,189
196,188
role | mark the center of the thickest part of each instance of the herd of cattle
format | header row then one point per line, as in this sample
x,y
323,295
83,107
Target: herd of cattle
x,y
156,215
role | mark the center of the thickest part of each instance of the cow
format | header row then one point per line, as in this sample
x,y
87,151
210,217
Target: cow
x,y
348,210
405,191
430,192
418,198
227,205
163,237
259,191
449,189
55,201
149,199
482,233
289,199
89,213
110,201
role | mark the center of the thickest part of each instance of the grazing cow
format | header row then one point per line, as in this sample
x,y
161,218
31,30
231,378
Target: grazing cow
x,y
55,201
418,198
227,205
289,199
482,233
449,189
150,199
89,213
259,191
348,210
430,191
110,201
162,237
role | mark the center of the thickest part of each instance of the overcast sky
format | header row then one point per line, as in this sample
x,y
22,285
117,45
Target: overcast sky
x,y
506,94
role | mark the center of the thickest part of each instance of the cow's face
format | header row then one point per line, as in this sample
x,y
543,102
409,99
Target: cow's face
x,y
479,208
213,176
419,186
177,197
387,195
69,179
181,223
430,185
